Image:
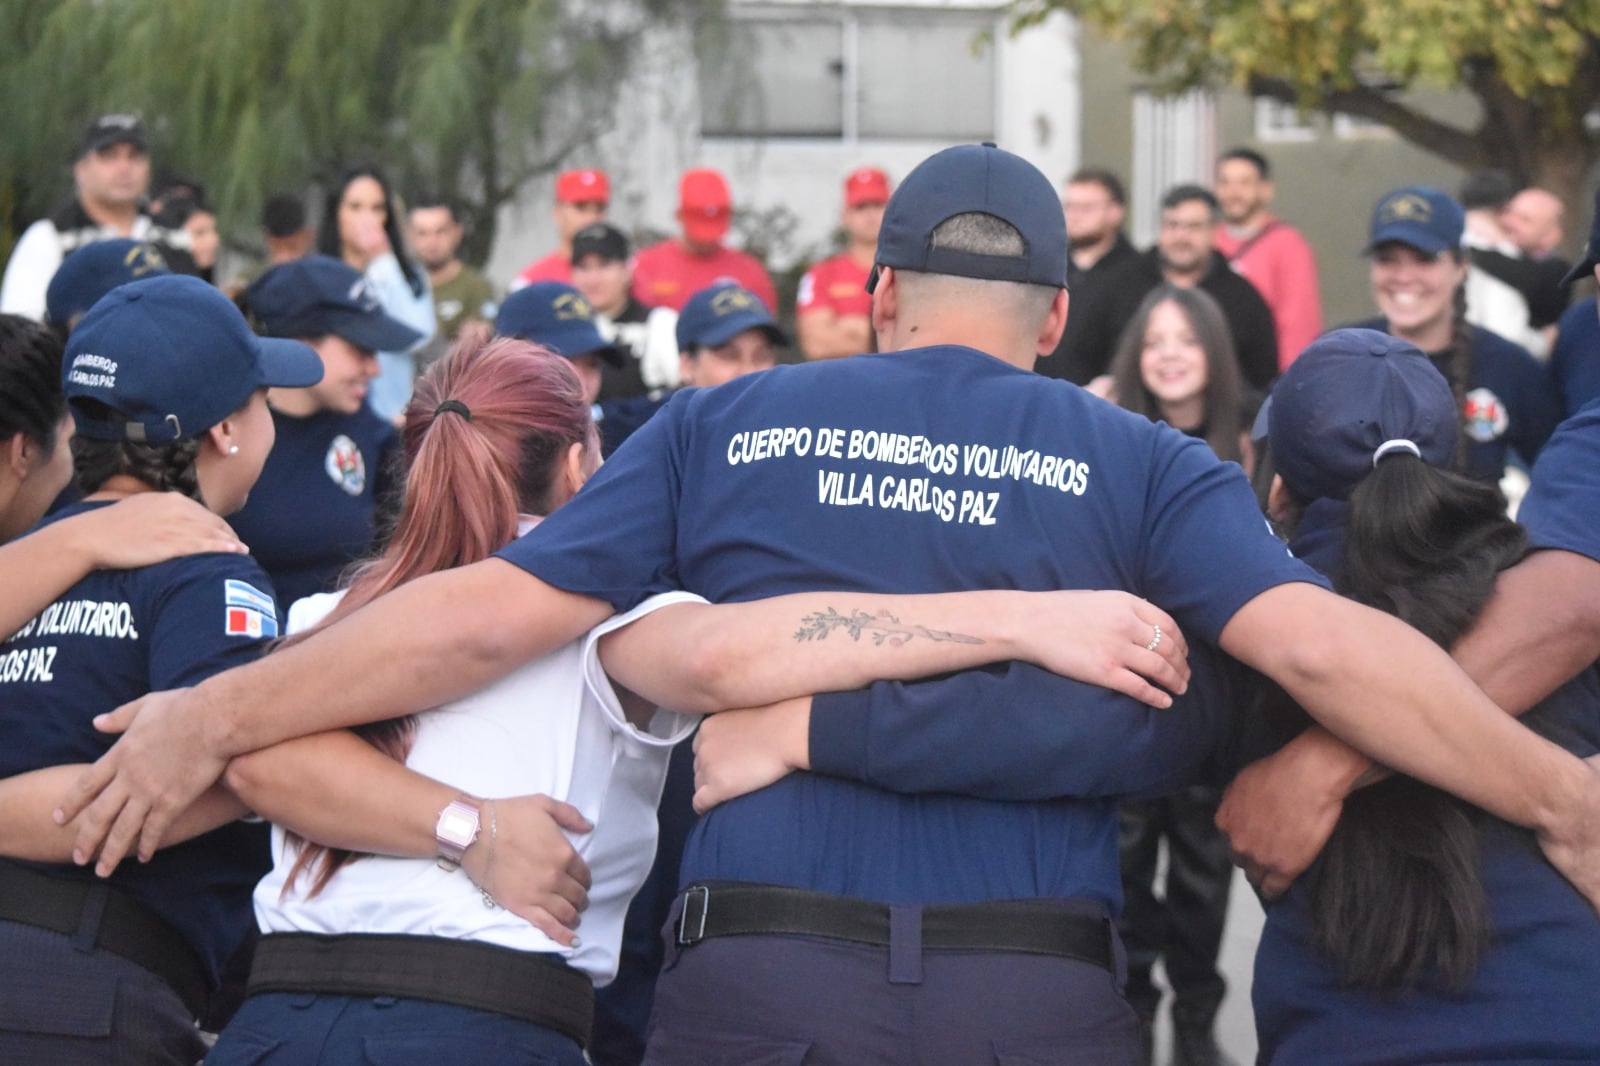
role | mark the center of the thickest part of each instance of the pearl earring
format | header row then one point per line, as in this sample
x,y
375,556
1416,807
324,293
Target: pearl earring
x,y
233,449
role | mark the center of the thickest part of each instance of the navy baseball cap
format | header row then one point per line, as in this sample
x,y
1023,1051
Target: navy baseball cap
x,y
1351,397
319,295
1418,217
94,270
556,315
1591,251
174,357
983,179
718,313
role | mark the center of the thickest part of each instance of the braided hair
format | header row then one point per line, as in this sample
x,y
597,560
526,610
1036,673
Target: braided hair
x,y
163,467
1455,362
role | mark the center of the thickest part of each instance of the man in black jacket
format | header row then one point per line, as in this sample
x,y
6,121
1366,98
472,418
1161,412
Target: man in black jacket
x,y
1094,205
1184,255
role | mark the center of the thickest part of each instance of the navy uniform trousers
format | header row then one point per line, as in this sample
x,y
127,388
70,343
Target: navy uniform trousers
x,y
809,1001
66,1003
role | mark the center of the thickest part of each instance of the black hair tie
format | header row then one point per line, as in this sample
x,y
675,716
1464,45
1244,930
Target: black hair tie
x,y
454,405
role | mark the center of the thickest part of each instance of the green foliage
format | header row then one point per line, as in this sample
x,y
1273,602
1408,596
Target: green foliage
x,y
469,98
1315,44
1534,65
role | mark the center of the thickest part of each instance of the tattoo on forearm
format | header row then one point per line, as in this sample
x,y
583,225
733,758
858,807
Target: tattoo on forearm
x,y
883,628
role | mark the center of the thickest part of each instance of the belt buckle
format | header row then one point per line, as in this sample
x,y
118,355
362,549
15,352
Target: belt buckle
x,y
700,894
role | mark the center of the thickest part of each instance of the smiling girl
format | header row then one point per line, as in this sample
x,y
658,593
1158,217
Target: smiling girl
x,y
1418,275
1176,364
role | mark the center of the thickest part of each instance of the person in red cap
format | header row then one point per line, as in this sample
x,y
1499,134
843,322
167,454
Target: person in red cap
x,y
667,273
582,197
833,310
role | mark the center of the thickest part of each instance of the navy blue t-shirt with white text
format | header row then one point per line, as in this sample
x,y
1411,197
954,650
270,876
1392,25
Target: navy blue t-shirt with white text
x,y
113,637
931,470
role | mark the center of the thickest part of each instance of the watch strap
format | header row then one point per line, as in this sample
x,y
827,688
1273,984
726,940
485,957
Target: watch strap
x,y
456,830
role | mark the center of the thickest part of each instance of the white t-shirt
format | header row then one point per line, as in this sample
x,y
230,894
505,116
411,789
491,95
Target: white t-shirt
x,y
554,726
36,258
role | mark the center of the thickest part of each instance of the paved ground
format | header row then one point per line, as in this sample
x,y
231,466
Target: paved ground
x,y
1235,1026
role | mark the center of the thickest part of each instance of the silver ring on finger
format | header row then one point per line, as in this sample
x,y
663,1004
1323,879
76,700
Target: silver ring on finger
x,y
1155,641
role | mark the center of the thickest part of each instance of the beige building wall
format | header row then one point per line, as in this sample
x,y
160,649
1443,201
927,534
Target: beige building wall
x,y
1326,182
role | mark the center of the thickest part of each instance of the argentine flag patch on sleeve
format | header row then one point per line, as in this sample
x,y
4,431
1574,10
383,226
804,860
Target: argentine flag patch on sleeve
x,y
247,611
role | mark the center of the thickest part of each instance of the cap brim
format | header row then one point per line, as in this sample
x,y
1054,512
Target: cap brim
x,y
376,332
573,339
1410,236
702,230
606,255
287,364
99,144
730,327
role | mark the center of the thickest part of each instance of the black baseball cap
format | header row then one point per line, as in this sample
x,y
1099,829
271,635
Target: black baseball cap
x,y
602,239
982,179
119,127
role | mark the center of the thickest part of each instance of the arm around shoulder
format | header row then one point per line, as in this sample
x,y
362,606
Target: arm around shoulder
x,y
705,658
1387,690
1538,631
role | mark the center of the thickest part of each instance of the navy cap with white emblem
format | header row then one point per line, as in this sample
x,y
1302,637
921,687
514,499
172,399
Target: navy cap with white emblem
x,y
318,295
171,357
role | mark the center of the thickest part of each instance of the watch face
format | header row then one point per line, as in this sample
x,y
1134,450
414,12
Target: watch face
x,y
457,826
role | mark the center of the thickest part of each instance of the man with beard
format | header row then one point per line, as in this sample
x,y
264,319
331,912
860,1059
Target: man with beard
x,y
1185,255
1094,205
460,293
1267,251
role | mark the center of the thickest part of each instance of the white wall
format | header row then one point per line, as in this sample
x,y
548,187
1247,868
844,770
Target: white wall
x,y
656,136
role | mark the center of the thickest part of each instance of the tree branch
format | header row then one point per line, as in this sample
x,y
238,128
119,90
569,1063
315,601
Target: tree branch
x,y
1451,142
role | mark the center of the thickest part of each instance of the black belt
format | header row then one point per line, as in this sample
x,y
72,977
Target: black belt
x,y
1035,927
534,987
123,926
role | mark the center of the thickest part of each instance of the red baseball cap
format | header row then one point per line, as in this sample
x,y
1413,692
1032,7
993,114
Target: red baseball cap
x,y
583,187
866,185
705,206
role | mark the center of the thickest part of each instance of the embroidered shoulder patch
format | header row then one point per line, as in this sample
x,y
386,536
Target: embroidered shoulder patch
x,y
247,611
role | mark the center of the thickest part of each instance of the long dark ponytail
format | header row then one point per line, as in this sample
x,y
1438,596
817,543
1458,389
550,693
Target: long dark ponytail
x,y
1397,892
